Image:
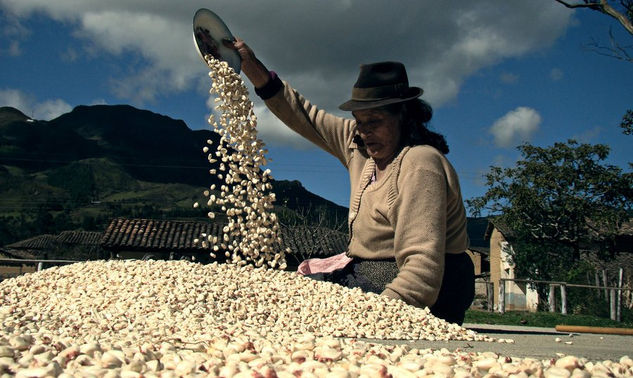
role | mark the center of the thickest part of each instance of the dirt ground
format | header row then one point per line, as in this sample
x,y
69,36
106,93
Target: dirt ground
x,y
538,343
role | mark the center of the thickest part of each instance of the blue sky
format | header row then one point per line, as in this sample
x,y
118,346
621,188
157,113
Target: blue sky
x,y
497,72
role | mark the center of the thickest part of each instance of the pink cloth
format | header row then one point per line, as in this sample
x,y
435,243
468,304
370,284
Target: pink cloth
x,y
328,265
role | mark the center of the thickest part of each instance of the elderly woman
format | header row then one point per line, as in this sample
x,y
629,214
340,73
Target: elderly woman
x,y
407,222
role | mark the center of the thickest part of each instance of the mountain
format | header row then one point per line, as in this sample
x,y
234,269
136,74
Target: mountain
x,y
150,146
9,114
115,160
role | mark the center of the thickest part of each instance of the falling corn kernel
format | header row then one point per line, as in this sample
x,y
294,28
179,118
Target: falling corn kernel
x,y
242,155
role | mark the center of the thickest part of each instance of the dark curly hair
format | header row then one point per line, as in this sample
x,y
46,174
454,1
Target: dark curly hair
x,y
414,117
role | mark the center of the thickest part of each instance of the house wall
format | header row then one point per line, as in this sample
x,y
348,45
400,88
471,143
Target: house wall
x,y
480,284
476,258
518,296
7,271
496,238
198,256
138,255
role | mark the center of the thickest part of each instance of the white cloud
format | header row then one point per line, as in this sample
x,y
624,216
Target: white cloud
x,y
70,55
556,74
502,161
45,110
269,128
274,133
50,109
14,32
509,78
16,99
317,45
589,136
99,101
516,126
14,49
156,34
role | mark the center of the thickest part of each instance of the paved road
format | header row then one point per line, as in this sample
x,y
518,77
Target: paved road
x,y
540,343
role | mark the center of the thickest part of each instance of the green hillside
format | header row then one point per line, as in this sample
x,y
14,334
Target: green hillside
x,y
96,163
9,114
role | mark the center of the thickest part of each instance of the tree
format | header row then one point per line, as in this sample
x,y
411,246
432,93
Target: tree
x,y
627,123
627,126
557,201
622,11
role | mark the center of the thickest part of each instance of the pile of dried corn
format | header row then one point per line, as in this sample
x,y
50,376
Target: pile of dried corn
x,y
175,318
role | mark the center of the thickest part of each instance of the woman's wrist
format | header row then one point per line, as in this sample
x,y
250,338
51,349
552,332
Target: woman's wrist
x,y
272,86
256,72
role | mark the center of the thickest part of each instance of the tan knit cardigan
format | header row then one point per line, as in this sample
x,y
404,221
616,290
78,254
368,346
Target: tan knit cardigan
x,y
414,213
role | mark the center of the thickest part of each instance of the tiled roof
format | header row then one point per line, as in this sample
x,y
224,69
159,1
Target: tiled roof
x,y
80,237
178,235
314,241
476,229
624,239
627,229
153,234
40,242
496,222
78,244
480,250
15,254
48,241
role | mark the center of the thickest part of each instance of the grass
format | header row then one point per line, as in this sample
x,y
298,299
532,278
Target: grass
x,y
165,193
540,319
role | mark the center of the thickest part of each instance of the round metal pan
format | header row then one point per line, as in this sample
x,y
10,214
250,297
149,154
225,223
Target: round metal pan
x,y
208,32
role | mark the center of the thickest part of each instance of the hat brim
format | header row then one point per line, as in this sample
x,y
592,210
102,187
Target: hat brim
x,y
352,104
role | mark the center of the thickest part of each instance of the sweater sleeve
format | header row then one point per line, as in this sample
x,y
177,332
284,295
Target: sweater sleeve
x,y
419,216
331,133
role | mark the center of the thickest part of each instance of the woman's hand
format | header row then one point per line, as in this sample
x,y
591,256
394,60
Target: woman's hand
x,y
255,70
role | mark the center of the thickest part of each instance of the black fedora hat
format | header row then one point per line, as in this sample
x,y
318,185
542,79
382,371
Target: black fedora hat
x,y
381,84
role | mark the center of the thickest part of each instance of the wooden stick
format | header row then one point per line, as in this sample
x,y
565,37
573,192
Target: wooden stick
x,y
588,329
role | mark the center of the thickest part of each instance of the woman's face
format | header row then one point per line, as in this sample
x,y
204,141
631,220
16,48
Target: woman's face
x,y
380,131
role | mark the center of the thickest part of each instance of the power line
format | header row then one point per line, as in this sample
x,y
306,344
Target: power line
x,y
279,167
